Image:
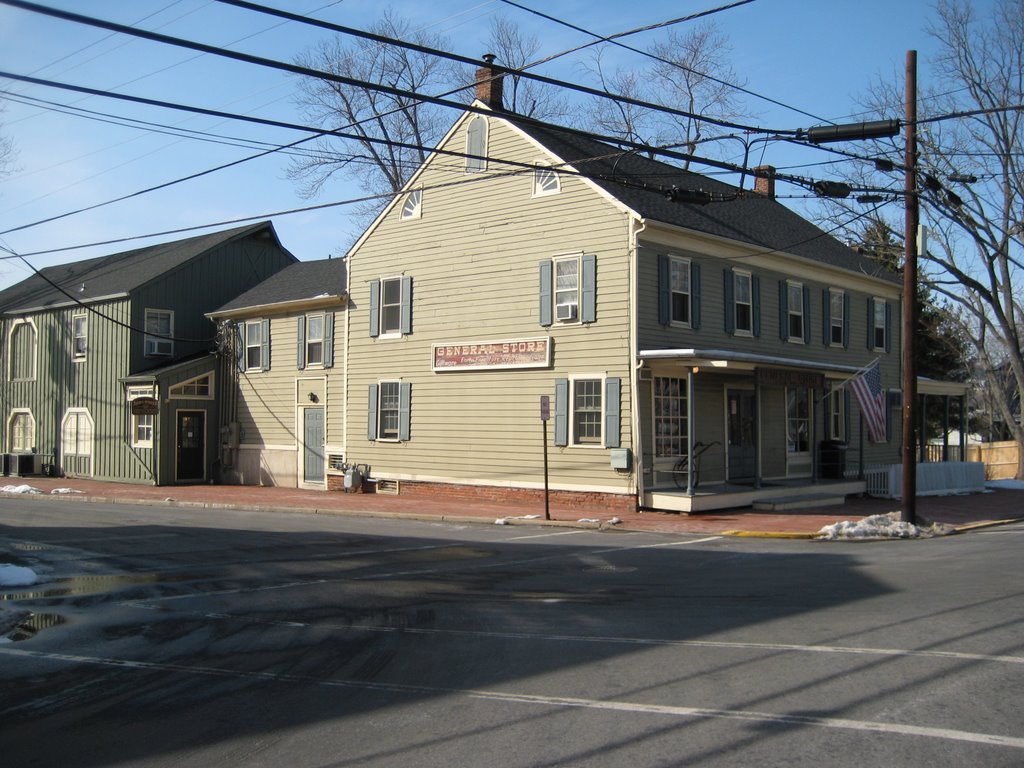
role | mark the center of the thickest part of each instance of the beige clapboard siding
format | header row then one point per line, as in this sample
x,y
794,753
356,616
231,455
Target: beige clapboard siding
x,y
473,257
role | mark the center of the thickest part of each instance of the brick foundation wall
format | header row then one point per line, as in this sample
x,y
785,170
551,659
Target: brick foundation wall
x,y
581,500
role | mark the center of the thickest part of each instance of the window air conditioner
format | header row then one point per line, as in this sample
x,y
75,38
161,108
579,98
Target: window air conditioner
x,y
565,311
161,347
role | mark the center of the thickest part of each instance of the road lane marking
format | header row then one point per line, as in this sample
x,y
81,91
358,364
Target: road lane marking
x,y
549,535
705,713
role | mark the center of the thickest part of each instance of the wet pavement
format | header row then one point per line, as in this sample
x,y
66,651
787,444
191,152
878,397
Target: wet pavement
x,y
964,512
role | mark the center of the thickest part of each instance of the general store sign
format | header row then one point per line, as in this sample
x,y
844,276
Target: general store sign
x,y
779,377
508,353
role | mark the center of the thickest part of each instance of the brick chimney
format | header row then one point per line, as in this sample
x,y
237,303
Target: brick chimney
x,y
488,84
764,181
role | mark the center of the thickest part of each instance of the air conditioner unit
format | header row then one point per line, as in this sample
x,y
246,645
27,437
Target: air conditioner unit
x,y
159,347
565,311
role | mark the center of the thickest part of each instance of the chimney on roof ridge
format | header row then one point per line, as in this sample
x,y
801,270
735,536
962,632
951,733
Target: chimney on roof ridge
x,y
489,83
764,181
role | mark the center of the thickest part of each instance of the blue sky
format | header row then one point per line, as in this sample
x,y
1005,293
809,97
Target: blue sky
x,y
815,56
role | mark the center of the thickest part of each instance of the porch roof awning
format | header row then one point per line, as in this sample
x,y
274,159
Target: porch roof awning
x,y
743,361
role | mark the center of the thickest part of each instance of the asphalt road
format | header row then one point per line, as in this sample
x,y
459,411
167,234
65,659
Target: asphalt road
x,y
180,637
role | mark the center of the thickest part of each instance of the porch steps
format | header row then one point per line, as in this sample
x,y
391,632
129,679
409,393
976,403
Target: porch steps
x,y
799,502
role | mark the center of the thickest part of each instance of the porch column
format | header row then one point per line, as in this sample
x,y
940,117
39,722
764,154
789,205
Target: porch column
x,y
860,447
963,429
945,428
816,400
757,433
689,431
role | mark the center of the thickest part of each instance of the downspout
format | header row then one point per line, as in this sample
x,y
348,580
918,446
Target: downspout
x,y
636,226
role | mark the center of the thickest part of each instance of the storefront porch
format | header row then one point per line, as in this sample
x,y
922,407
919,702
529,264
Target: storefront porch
x,y
781,493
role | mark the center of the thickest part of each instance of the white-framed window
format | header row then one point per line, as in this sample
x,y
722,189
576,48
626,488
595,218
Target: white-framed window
x,y
545,181
670,416
22,346
142,430
388,410
837,413
391,306
412,205
743,302
587,411
76,432
837,318
476,145
21,431
136,391
79,336
879,324
254,343
680,292
314,340
798,420
198,388
795,311
159,333
567,289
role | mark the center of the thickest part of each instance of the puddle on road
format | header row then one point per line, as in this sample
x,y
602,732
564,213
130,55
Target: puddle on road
x,y
83,585
33,624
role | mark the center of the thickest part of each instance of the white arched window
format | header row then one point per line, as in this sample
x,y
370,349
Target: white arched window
x,y
76,432
22,346
476,145
21,431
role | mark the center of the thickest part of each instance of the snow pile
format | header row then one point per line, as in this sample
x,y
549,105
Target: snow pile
x,y
16,576
19,489
887,526
1015,485
64,490
504,520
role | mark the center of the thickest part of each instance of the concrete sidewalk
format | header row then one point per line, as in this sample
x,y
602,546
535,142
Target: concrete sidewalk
x,y
962,512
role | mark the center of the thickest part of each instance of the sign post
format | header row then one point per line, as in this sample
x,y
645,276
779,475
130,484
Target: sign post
x,y
545,415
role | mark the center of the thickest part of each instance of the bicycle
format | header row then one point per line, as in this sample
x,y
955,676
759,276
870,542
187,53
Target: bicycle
x,y
681,470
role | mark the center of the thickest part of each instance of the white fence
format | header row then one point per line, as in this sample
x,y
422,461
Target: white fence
x,y
933,479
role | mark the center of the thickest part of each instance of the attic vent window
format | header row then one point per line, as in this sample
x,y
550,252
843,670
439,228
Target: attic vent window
x,y
412,207
545,181
476,145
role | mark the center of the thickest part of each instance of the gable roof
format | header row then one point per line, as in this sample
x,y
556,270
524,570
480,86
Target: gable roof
x,y
115,275
298,282
639,183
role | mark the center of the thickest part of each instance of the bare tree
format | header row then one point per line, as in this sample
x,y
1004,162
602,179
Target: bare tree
x,y
971,145
382,121
6,152
523,96
690,71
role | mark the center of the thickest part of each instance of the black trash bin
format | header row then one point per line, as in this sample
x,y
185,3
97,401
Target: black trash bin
x,y
833,459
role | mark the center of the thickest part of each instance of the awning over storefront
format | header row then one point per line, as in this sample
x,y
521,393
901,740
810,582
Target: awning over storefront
x,y
743,361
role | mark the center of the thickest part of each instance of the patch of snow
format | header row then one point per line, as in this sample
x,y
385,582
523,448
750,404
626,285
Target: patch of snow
x,y
886,526
64,490
16,576
1016,485
19,489
588,520
614,521
504,520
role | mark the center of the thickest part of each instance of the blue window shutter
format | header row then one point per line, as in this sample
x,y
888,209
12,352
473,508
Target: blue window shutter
x,y
328,340
826,317
755,302
783,311
695,296
612,395
870,323
371,414
406,305
664,290
846,321
240,347
300,355
807,315
888,326
588,297
375,308
561,411
404,402
265,344
730,300
545,292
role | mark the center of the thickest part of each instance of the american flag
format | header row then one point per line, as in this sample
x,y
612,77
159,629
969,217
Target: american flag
x,y
867,388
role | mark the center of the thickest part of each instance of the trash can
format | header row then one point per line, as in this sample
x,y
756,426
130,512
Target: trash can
x,y
832,464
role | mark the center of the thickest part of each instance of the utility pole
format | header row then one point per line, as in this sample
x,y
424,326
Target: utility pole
x,y
909,493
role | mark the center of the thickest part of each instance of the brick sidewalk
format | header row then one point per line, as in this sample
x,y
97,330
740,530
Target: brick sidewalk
x,y
959,511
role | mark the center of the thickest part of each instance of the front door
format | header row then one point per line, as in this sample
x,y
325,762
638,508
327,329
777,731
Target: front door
x,y
313,445
742,411
191,446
